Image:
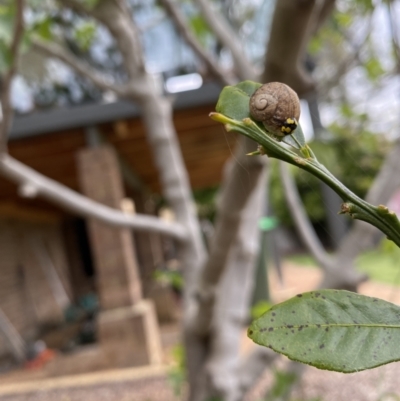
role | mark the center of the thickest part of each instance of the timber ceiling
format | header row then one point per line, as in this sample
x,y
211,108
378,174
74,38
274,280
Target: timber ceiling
x,y
205,147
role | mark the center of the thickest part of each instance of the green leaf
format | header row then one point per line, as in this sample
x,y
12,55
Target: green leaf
x,y
90,3
248,87
374,68
200,28
84,34
7,16
5,57
43,28
333,330
234,101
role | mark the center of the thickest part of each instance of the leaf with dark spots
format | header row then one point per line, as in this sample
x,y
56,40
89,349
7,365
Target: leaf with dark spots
x,y
345,332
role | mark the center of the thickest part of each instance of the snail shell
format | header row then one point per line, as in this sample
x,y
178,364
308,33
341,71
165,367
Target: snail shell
x,y
276,105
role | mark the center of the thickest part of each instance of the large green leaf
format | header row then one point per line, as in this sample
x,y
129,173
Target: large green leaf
x,y
333,330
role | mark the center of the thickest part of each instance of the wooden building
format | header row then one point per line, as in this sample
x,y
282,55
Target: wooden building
x,y
50,258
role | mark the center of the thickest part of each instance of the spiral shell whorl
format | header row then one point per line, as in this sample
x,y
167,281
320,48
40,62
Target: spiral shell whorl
x,y
261,105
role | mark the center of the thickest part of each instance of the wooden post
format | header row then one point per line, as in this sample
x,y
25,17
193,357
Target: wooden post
x,y
127,325
118,280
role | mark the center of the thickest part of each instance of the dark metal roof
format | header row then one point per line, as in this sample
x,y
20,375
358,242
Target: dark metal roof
x,y
54,120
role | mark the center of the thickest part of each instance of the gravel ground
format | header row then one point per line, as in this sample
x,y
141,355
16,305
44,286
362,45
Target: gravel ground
x,y
380,384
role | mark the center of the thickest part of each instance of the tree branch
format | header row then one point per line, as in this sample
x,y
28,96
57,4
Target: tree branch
x,y
180,22
116,16
361,236
35,184
228,38
231,312
303,225
85,70
239,183
290,31
6,80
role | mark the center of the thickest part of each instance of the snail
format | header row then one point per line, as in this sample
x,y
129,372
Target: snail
x,y
277,106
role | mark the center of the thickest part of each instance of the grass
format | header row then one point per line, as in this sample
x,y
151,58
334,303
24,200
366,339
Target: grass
x,y
381,264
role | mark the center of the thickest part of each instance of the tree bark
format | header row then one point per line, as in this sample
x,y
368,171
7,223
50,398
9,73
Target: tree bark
x,y
231,312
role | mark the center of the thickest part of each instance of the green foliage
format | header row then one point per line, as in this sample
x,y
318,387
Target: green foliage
x,y
353,155
259,309
170,277
84,34
7,16
381,264
177,375
200,28
90,3
282,385
332,330
42,28
359,154
206,202
374,68
234,101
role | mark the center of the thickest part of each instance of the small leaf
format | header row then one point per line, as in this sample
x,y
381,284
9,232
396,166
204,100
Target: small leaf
x,y
374,68
333,330
234,101
43,28
84,35
248,87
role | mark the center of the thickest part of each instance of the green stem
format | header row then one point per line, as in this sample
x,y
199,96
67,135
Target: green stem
x,y
380,217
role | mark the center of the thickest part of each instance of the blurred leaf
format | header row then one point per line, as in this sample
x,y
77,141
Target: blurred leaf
x,y
374,68
346,110
315,45
282,385
333,330
260,308
389,247
90,3
365,5
5,57
7,15
177,375
343,19
42,28
199,27
84,34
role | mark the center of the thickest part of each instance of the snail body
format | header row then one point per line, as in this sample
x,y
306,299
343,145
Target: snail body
x,y
277,106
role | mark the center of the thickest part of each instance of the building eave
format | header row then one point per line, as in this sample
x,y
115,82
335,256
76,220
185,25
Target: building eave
x,y
56,120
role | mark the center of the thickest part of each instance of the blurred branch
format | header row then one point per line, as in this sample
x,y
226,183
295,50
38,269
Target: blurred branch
x,y
50,49
344,66
117,18
394,32
34,184
228,38
324,12
299,215
232,199
231,312
361,236
292,25
253,367
180,22
6,79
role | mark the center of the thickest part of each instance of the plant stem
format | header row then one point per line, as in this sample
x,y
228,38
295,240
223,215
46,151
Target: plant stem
x,y
357,208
